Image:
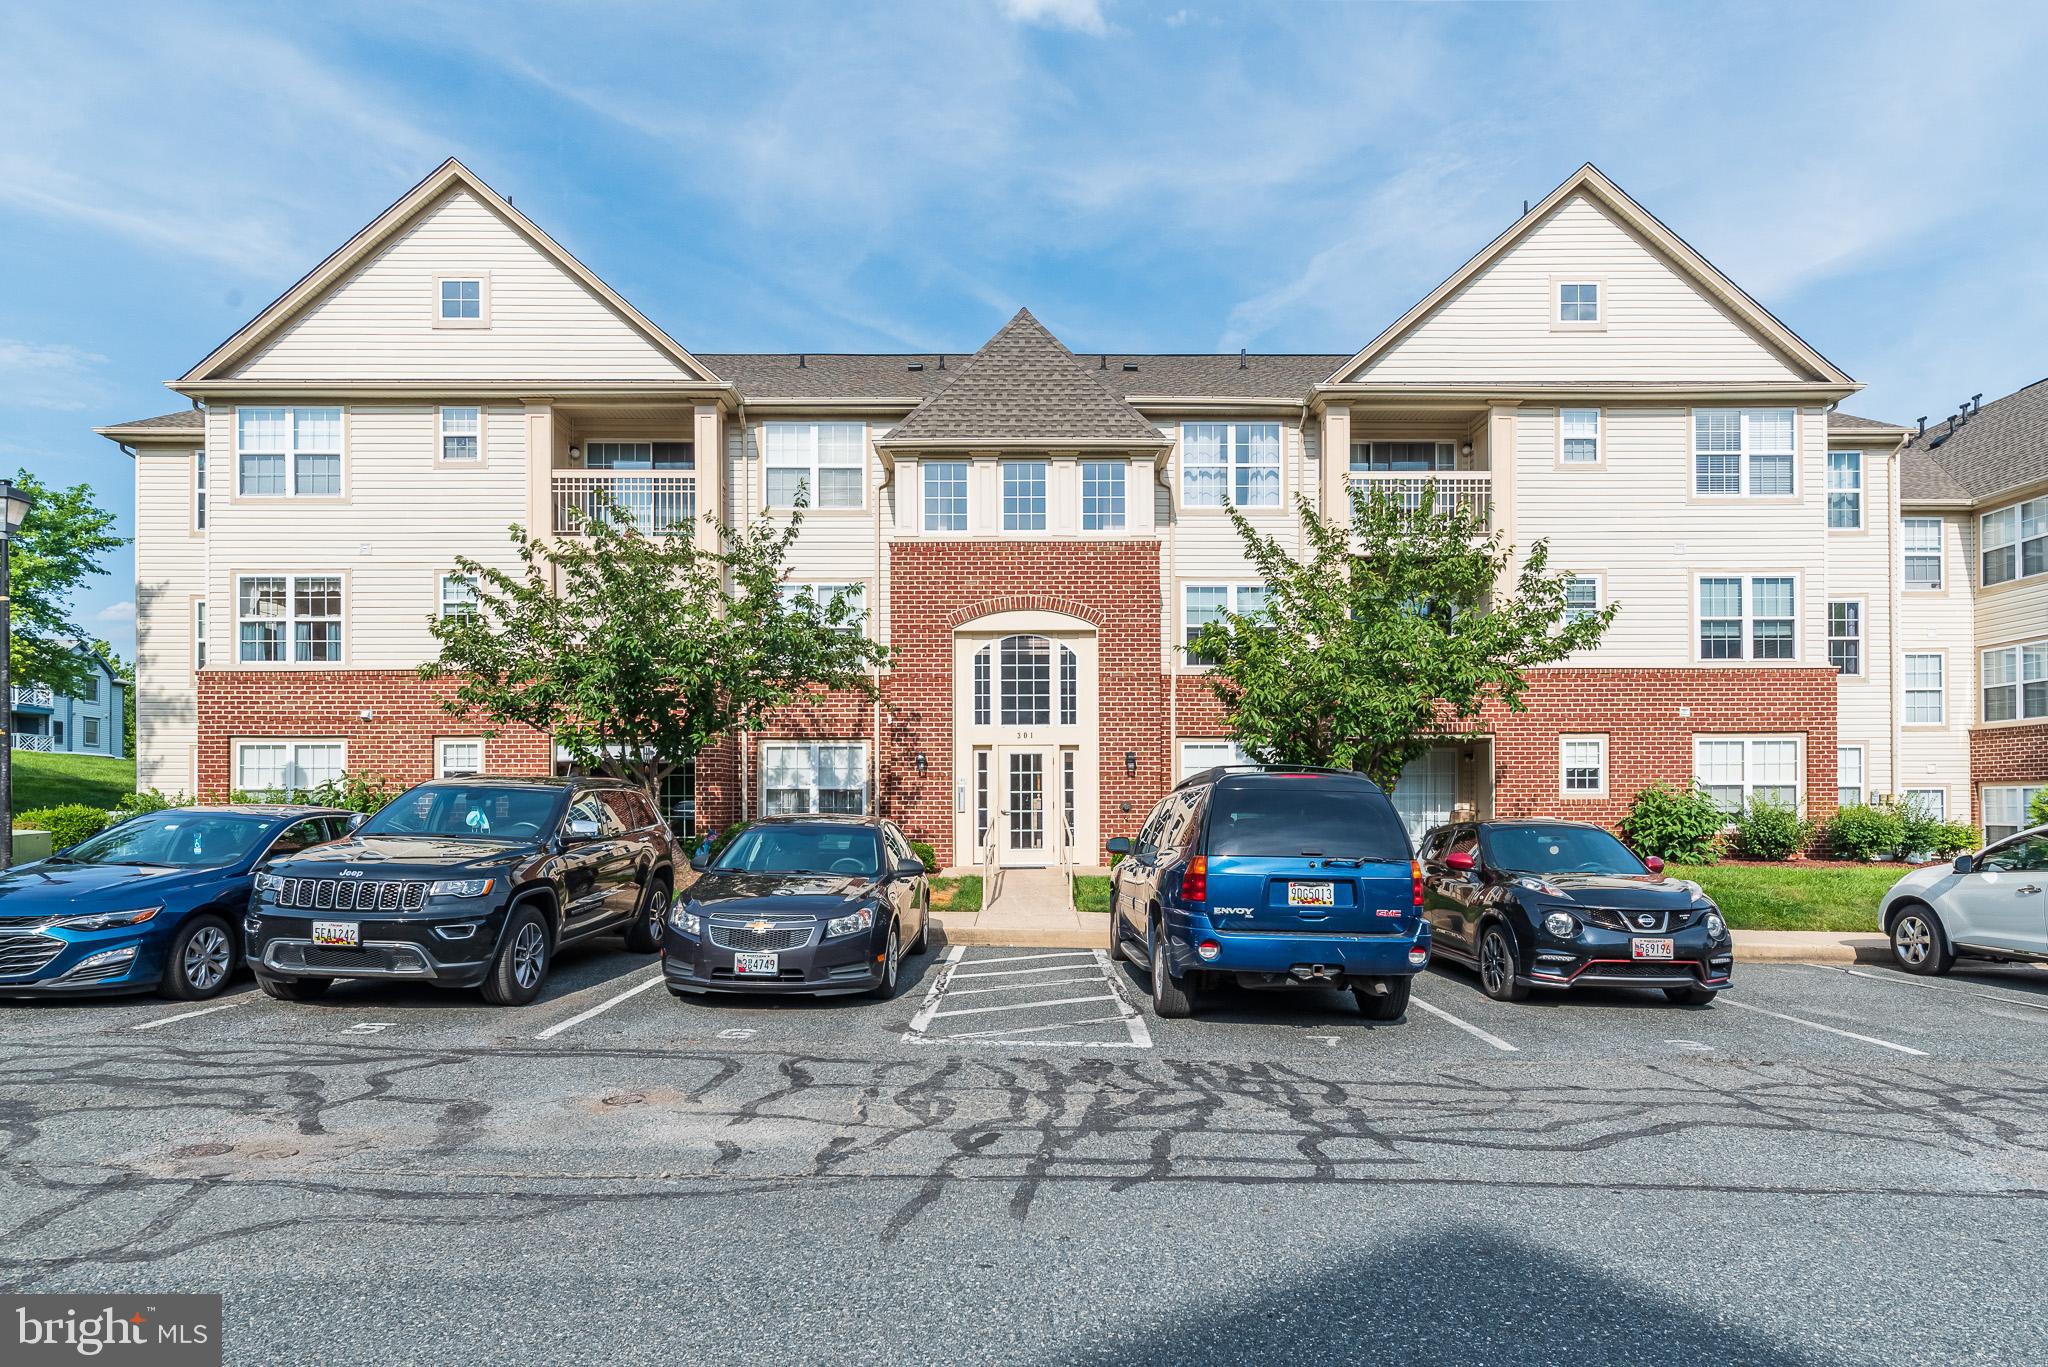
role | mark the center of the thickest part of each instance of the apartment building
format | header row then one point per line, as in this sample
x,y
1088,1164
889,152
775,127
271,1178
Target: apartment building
x,y
1037,531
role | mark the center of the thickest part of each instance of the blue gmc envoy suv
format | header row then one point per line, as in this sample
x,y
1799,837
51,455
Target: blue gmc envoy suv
x,y
1272,877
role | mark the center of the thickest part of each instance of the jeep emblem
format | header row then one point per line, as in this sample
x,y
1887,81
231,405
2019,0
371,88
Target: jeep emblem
x,y
358,873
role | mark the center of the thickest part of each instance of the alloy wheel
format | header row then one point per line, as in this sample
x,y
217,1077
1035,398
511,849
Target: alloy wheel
x,y
657,909
893,956
207,956
1494,969
529,955
1912,940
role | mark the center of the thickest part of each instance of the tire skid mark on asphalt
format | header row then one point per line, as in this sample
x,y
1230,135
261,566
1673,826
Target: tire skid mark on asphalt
x,y
1830,1029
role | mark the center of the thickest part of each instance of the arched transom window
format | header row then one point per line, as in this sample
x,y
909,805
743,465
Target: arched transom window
x,y
1013,683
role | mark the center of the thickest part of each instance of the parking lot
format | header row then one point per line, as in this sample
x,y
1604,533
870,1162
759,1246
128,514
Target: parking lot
x,y
377,1171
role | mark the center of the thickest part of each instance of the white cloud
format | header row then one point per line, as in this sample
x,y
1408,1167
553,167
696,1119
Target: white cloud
x,y
49,375
1082,16
117,612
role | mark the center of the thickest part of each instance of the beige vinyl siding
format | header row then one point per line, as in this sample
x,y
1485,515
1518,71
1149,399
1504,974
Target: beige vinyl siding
x,y
170,571
1860,567
834,545
2011,612
378,323
404,521
1206,546
1657,323
1939,757
1634,522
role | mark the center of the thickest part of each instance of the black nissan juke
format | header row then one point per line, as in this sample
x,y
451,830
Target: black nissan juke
x,y
1561,904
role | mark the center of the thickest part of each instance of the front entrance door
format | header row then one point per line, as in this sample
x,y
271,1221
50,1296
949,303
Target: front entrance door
x,y
1024,775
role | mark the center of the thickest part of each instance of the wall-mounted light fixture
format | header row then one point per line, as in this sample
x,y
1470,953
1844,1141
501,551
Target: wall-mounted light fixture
x,y
1467,448
920,763
575,454
1130,761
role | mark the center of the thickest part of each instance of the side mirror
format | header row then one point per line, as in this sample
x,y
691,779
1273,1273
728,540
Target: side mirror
x,y
357,818
580,831
1654,864
1460,861
910,868
700,858
1118,844
1964,863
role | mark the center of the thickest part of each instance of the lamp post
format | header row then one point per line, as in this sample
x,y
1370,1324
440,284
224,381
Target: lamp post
x,y
14,506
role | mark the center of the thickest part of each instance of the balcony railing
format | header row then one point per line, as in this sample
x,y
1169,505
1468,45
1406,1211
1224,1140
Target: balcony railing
x,y
32,695
23,740
656,504
1469,491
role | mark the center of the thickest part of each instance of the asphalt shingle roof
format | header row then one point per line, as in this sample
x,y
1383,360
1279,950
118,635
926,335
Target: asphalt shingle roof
x,y
185,419
2003,445
1849,422
1023,385
839,375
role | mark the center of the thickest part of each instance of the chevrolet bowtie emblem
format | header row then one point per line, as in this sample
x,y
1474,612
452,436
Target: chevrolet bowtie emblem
x,y
759,926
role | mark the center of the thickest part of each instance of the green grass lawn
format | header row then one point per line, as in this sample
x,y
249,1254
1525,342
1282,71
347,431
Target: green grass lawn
x,y
958,896
1091,892
42,780
1795,896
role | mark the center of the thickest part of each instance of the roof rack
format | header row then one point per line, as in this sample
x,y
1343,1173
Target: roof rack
x,y
1215,771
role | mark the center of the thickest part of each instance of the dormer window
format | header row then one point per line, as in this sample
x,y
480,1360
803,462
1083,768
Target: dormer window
x,y
1578,303
462,301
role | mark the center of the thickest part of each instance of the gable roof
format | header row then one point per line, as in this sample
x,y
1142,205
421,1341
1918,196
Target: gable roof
x,y
181,425
450,175
1024,387
2002,446
1590,181
1849,422
883,376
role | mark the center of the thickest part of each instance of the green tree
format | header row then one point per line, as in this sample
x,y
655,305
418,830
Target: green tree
x,y
61,545
1396,628
651,647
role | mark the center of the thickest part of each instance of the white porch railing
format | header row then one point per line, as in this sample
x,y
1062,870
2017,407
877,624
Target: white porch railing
x,y
653,503
32,695
24,741
1470,491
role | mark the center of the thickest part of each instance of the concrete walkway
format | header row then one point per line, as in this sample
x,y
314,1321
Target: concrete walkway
x,y
1032,910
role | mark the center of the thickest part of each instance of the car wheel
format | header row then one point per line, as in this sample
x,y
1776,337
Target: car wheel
x,y
643,935
1170,999
1116,937
1690,996
201,960
295,989
1919,944
892,966
1388,1006
1497,966
521,968
924,929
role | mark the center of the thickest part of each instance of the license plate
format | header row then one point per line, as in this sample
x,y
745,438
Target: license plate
x,y
1311,894
748,965
1651,949
337,933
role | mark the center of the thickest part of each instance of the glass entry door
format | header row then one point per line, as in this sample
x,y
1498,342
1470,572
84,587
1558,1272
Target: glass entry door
x,y
1024,775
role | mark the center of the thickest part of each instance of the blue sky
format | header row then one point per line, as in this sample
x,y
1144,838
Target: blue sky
x,y
1145,176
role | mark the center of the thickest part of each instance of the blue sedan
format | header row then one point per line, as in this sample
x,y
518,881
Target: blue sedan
x,y
153,904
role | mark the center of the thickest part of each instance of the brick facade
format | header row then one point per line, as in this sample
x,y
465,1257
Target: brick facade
x,y
2002,755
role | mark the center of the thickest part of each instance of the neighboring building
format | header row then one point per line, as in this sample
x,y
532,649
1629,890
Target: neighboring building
x,y
88,723
1035,532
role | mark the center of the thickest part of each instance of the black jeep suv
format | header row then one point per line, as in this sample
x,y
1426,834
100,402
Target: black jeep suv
x,y
472,882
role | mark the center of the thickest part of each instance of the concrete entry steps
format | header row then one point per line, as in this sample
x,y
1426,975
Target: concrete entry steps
x,y
1033,909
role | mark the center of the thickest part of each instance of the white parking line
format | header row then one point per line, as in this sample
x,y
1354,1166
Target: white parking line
x,y
1013,987
188,1015
1899,980
1024,1006
1017,972
1041,1029
1467,1026
607,1004
1816,1025
1104,974
1024,958
1134,1019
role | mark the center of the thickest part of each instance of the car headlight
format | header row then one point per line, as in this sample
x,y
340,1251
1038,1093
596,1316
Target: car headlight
x,y
1561,925
461,887
686,922
106,920
862,918
1716,927
268,882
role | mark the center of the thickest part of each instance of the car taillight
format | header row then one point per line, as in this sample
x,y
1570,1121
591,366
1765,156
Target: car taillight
x,y
1415,878
1194,880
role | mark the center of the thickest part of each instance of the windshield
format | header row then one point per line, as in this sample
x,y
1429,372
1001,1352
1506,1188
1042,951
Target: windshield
x,y
1311,815
192,840
850,850
1559,849
463,811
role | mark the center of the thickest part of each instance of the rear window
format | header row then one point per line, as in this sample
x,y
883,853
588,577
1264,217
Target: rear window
x,y
1297,817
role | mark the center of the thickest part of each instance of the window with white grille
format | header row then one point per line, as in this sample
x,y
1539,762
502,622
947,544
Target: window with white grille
x,y
826,462
801,779
1582,764
1235,463
1734,770
280,767
1744,451
288,452
1921,538
288,619
1925,699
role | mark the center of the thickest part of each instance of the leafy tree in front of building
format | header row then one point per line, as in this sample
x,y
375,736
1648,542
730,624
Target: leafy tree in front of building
x,y
62,544
636,651
1395,629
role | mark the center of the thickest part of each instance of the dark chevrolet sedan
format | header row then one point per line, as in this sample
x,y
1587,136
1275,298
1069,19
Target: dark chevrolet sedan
x,y
819,905
1559,904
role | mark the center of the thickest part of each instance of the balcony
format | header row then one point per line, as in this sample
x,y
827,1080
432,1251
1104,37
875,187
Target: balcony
x,y
653,504
1470,491
24,740
33,695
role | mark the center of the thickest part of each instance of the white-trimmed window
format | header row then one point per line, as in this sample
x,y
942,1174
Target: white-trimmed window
x,y
458,596
199,491
1925,705
679,797
1737,769
2016,682
288,618
829,459
288,452
1401,457
455,756
1102,495
804,777
462,434
1845,635
1921,540
1748,619
1023,495
89,733
2006,810
945,495
1582,766
1578,301
1202,604
199,633
1013,683
1581,596
1236,463
1931,803
1745,451
1845,491
1580,435
288,766
1848,775
1197,755
2014,541
640,455
818,598
461,301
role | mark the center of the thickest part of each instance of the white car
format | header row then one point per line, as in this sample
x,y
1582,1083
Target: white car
x,y
1991,905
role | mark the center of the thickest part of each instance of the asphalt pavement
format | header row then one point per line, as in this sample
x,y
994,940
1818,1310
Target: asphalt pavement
x,y
1015,1161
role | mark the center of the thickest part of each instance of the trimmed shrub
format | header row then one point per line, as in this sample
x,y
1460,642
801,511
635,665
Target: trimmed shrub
x,y
1948,839
1771,830
150,800
1865,831
1678,824
68,824
925,852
